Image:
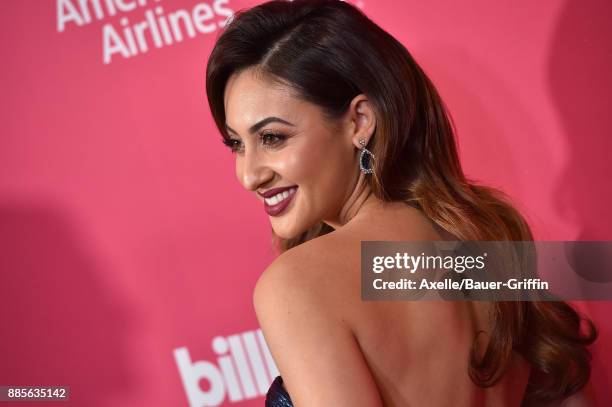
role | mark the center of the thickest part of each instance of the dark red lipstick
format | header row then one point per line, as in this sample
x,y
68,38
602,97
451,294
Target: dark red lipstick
x,y
283,202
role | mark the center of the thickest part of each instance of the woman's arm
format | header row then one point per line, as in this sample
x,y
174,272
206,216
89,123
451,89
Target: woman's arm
x,y
315,351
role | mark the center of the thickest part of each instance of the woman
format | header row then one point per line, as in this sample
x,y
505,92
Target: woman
x,y
343,138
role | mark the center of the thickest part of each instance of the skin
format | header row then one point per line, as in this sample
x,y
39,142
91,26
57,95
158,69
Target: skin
x,y
331,347
318,157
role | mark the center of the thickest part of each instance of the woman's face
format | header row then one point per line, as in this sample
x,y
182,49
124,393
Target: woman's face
x,y
299,165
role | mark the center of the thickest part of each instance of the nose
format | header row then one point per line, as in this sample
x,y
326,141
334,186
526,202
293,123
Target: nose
x,y
252,170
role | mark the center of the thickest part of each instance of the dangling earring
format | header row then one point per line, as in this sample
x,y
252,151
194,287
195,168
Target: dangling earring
x,y
366,159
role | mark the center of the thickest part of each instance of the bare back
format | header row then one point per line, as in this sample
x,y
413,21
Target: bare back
x,y
417,351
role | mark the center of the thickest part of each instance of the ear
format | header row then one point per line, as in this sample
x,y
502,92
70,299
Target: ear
x,y
363,120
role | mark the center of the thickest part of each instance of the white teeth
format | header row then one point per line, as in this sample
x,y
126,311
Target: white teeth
x,y
280,197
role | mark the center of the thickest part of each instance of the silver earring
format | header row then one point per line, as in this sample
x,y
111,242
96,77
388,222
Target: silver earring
x,y
366,159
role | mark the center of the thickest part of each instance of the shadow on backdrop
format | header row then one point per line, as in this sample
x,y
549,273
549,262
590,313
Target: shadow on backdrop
x,y
579,74
60,324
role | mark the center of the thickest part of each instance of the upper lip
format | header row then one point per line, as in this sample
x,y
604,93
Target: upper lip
x,y
271,192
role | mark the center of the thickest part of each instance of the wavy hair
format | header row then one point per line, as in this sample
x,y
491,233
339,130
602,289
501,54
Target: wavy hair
x,y
329,51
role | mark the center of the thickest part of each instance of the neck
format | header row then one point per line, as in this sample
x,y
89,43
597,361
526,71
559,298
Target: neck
x,y
360,202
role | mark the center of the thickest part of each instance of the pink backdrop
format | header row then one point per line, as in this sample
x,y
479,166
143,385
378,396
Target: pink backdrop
x,y
128,251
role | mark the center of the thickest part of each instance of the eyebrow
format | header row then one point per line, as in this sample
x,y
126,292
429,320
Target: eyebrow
x,y
257,126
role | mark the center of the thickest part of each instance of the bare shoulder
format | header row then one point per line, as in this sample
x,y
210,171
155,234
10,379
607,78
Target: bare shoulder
x,y
310,342
327,268
312,271
308,305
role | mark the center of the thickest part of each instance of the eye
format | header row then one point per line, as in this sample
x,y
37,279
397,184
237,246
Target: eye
x,y
270,139
234,145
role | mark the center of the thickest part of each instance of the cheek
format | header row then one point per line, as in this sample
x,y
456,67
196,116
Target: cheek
x,y
297,167
239,170
302,165
321,169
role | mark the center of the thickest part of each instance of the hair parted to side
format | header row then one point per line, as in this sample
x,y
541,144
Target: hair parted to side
x,y
329,51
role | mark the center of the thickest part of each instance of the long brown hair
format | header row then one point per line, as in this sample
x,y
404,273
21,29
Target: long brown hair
x,y
329,51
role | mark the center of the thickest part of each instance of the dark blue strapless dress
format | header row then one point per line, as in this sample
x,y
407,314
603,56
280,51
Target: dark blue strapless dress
x,y
277,396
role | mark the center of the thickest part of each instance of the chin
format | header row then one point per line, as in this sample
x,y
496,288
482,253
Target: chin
x,y
289,231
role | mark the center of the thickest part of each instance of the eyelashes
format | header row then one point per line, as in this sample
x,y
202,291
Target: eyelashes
x,y
232,144
267,140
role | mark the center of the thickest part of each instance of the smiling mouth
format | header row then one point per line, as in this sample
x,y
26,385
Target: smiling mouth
x,y
276,204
